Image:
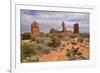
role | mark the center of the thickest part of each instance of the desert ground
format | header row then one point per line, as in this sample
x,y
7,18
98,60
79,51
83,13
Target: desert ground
x,y
44,47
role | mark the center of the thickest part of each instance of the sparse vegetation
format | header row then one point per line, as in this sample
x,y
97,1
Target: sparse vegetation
x,y
74,36
26,36
32,59
84,35
81,39
55,42
27,51
74,54
44,43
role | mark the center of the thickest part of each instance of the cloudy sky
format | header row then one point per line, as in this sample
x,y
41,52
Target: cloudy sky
x,y
53,19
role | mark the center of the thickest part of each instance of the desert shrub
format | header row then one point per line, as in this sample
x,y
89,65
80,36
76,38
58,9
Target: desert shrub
x,y
74,35
31,59
40,40
73,43
60,36
84,35
27,51
73,53
47,34
51,35
81,39
47,51
68,54
42,48
83,58
33,39
26,36
55,42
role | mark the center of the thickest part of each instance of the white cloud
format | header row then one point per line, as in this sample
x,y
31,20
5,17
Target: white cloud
x,y
26,19
49,19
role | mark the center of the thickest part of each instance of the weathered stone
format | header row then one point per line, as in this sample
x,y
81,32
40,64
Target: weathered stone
x,y
76,28
35,27
52,30
63,27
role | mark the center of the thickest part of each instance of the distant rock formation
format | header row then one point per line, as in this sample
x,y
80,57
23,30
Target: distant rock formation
x,y
52,30
63,27
35,27
76,28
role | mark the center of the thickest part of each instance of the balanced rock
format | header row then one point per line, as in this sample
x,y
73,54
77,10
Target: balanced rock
x,y
63,27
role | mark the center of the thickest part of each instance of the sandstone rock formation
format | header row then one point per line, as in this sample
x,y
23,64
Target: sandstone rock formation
x,y
52,30
63,27
76,28
35,27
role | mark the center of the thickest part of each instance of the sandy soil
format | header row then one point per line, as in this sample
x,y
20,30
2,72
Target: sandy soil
x,y
60,53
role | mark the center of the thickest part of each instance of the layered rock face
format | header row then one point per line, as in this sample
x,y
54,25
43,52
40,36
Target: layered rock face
x,y
76,28
35,27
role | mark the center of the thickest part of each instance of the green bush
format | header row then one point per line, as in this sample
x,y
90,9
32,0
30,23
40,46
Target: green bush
x,y
74,35
34,38
55,42
73,53
84,35
27,51
26,36
32,59
81,39
42,48
47,51
40,40
60,36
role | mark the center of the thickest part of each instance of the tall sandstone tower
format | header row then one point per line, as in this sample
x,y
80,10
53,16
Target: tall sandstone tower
x,y
76,28
63,27
35,27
